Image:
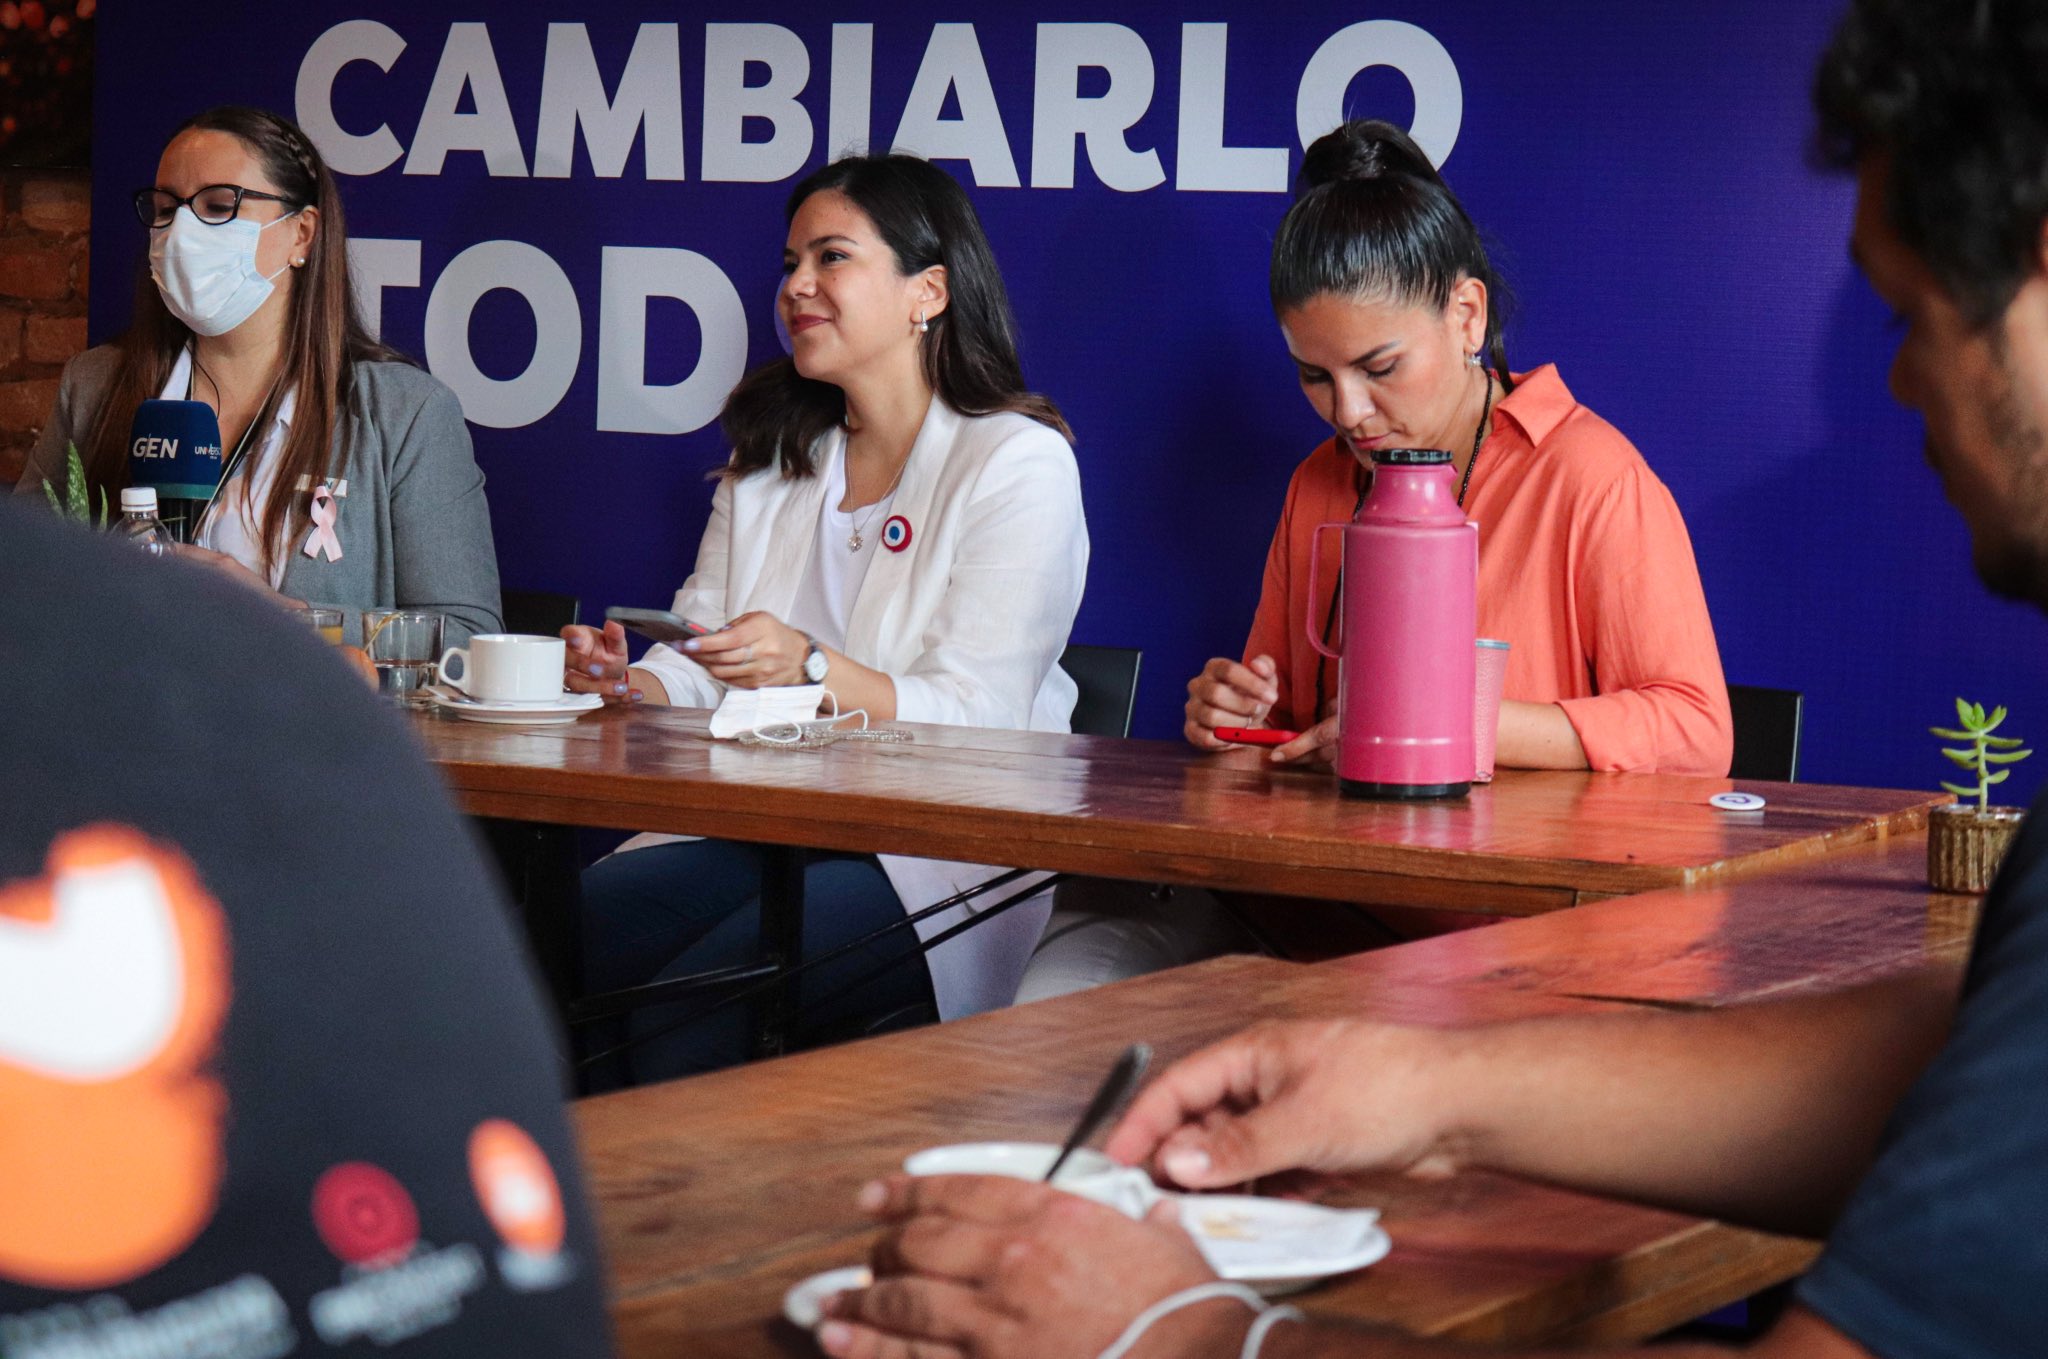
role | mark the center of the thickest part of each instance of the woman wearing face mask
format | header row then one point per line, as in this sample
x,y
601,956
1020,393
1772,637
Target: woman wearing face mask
x,y
348,478
1391,314
901,523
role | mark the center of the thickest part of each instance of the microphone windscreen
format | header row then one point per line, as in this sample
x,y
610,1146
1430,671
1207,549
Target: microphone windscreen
x,y
175,447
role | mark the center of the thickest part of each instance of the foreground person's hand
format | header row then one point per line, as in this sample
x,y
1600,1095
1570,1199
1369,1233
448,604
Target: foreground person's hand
x,y
1332,1097
982,1267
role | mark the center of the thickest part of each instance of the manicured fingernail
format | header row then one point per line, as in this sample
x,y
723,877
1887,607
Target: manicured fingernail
x,y
636,696
873,1195
834,1337
1187,1164
597,671
690,645
619,688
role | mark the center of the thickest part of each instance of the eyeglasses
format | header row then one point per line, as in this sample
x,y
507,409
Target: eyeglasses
x,y
215,205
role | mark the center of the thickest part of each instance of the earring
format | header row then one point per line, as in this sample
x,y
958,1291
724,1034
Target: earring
x,y
1475,360
299,263
922,324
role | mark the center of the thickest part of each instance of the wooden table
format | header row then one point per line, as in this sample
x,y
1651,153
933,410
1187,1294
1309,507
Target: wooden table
x,y
1155,811
717,1193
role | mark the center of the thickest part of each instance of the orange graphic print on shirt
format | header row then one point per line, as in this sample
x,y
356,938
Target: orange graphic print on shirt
x,y
113,990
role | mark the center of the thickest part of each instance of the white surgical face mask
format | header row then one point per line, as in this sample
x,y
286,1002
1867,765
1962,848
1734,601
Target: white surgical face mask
x,y
779,705
207,274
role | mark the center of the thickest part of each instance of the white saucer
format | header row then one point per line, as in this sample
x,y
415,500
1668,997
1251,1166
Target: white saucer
x,y
804,1304
1280,1245
567,708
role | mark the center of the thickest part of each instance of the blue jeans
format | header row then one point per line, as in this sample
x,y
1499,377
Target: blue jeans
x,y
672,910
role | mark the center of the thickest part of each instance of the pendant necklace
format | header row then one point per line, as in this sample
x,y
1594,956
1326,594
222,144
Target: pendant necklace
x,y
858,537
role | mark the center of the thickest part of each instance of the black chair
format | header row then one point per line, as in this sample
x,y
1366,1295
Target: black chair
x,y
1108,680
1767,725
538,613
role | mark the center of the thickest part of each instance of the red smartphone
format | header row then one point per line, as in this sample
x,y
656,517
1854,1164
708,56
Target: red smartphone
x,y
1255,736
658,625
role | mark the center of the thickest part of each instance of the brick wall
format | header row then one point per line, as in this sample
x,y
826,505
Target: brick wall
x,y
44,221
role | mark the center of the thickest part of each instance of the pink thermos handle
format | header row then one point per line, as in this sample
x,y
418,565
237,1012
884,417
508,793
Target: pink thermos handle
x,y
1315,557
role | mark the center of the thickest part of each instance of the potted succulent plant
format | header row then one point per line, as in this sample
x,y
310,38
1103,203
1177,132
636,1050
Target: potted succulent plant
x,y
76,502
1966,841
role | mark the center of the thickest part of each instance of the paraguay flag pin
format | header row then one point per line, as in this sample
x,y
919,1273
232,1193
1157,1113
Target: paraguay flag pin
x,y
896,533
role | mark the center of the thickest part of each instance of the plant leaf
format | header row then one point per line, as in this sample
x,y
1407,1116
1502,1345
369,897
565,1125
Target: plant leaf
x,y
2000,777
103,507
1959,790
2003,742
1947,734
1977,718
2011,757
1962,712
51,492
1966,758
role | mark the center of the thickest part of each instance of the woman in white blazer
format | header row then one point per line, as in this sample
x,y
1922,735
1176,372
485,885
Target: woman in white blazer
x,y
901,522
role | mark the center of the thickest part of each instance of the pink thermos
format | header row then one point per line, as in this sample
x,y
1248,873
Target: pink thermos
x,y
1405,671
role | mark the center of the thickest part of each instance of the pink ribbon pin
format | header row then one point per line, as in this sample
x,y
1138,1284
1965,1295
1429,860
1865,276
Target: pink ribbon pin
x,y
322,540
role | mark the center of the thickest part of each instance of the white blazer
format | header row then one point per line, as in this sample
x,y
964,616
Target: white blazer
x,y
969,620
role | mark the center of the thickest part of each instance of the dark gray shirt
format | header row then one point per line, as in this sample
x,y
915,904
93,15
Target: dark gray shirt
x,y
1942,1254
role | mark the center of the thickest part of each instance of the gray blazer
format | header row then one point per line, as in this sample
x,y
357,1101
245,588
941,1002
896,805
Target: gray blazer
x,y
415,531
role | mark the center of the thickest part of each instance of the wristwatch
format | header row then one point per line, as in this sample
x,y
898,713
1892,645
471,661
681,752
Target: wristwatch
x,y
816,662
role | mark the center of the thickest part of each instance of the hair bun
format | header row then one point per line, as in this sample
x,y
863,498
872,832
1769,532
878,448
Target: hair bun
x,y
1360,151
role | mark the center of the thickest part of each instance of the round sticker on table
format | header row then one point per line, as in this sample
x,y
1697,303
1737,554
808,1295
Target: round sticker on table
x,y
896,533
1737,802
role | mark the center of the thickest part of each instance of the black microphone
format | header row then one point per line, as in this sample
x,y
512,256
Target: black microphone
x,y
175,447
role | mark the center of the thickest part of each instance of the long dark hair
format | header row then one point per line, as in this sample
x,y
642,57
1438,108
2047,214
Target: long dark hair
x,y
323,335
1372,217
776,414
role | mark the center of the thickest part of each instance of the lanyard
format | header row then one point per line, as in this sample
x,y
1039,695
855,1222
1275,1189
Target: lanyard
x,y
234,462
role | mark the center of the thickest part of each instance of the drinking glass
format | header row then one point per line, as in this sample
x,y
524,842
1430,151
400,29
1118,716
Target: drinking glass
x,y
326,622
402,644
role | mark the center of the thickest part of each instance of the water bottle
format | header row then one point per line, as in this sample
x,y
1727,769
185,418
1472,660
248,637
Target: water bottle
x,y
1405,673
139,524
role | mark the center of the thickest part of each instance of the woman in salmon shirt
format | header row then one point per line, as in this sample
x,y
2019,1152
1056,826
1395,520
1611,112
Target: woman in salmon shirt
x,y
1389,308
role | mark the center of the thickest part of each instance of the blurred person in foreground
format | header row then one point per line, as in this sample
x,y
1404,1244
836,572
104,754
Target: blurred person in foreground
x,y
275,1077
1905,1123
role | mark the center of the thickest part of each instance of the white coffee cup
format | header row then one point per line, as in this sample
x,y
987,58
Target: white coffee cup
x,y
506,667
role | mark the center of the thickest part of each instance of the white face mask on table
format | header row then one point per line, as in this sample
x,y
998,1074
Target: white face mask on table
x,y
779,705
207,274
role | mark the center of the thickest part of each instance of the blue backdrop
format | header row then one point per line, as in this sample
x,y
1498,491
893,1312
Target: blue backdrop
x,y
1641,171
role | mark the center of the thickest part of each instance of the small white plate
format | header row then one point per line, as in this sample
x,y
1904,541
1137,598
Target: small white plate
x,y
1280,1245
804,1304
567,708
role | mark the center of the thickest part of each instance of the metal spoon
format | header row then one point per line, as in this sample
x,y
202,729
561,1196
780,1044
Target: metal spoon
x,y
1116,1088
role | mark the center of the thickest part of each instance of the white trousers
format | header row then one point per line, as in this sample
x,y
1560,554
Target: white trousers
x,y
1103,931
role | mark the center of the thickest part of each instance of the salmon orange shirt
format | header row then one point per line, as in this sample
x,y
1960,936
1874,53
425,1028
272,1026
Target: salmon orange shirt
x,y
1585,568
